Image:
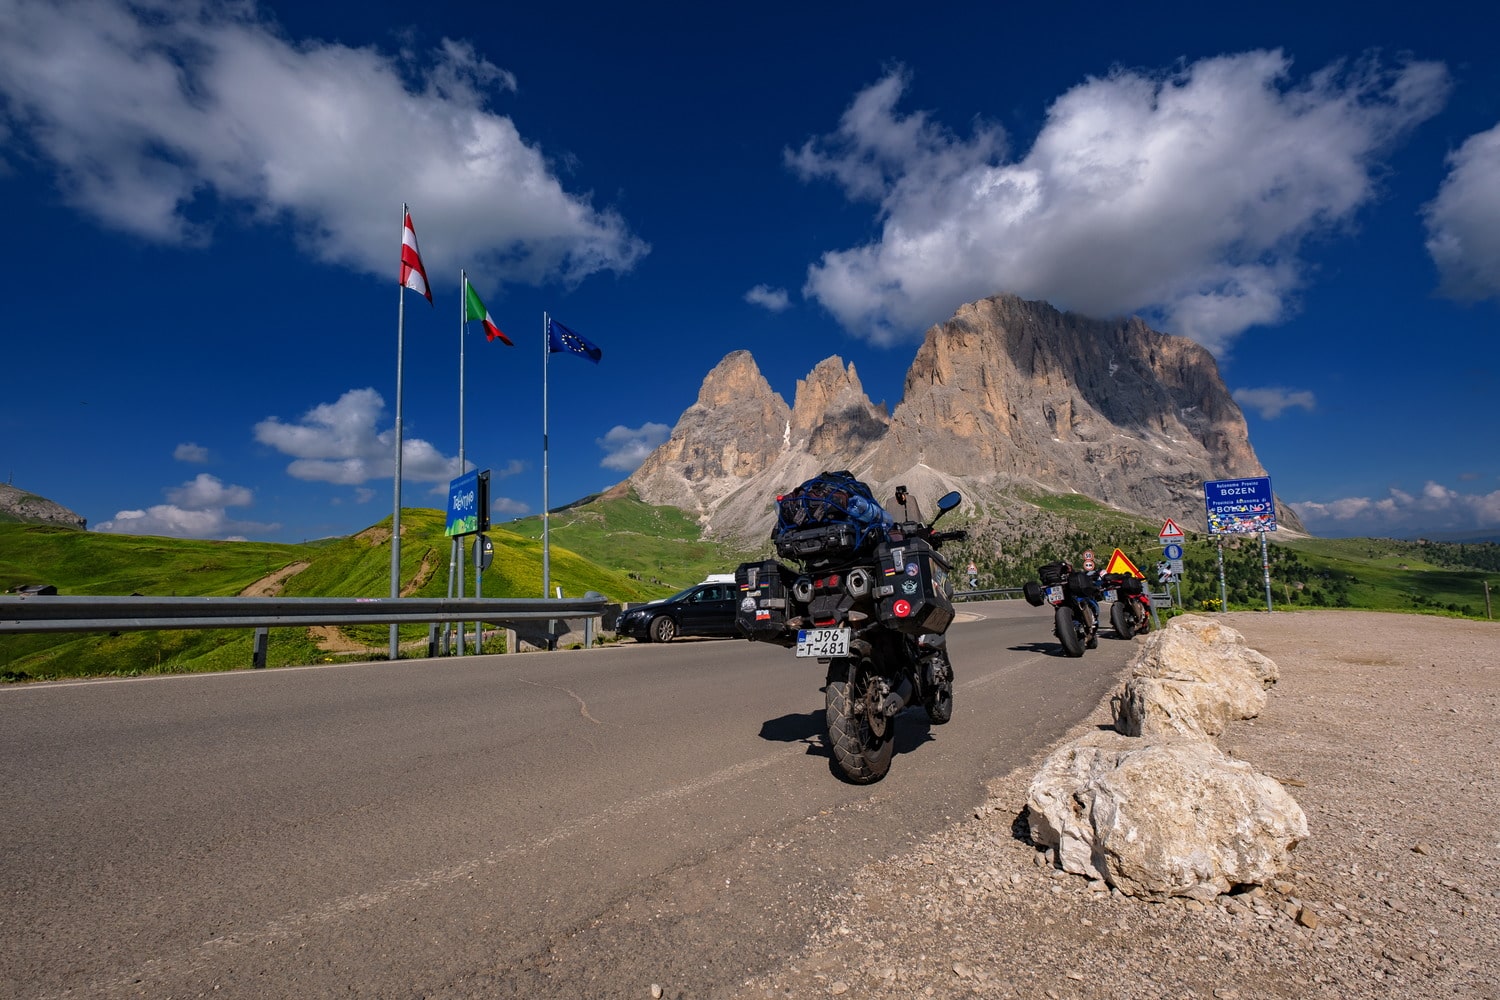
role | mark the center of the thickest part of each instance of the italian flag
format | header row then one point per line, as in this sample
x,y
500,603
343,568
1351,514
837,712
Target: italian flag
x,y
474,309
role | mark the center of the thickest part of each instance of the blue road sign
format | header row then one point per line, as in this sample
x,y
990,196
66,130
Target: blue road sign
x,y
468,504
1240,506
1172,551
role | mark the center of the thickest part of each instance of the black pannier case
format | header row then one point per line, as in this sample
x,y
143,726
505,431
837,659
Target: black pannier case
x,y
765,602
916,591
1053,574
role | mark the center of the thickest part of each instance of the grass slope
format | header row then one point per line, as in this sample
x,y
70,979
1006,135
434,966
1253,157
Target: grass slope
x,y
99,564
630,551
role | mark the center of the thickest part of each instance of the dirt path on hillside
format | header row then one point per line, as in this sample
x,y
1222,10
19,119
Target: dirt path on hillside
x,y
272,585
1386,730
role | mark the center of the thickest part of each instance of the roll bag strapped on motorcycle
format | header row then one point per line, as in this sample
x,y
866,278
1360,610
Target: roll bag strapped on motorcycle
x,y
872,599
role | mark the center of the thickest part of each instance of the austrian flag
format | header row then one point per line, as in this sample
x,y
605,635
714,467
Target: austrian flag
x,y
413,274
474,309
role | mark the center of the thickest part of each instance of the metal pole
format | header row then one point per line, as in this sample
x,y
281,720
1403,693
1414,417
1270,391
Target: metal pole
x,y
395,652
478,592
1265,567
1223,589
463,467
546,537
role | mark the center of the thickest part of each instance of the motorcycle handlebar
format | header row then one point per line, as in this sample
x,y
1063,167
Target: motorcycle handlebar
x,y
957,535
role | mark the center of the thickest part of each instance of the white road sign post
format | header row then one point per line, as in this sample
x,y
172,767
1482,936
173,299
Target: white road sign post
x,y
1172,541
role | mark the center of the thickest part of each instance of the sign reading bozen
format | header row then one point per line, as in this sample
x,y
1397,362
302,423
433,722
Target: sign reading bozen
x,y
1240,506
469,504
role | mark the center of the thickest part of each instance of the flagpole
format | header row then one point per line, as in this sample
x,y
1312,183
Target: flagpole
x,y
546,535
396,512
456,551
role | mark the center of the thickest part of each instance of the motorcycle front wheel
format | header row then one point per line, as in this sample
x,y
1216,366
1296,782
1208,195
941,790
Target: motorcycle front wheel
x,y
862,739
1066,625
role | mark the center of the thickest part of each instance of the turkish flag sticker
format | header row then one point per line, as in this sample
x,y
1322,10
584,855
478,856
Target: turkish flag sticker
x,y
901,608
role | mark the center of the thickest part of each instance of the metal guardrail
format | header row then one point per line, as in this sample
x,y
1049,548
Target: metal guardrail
x,y
983,595
50,613
119,614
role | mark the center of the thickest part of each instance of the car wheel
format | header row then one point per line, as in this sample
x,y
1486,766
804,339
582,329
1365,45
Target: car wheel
x,y
663,629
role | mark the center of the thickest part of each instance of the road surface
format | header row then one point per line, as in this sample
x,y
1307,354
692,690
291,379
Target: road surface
x,y
579,824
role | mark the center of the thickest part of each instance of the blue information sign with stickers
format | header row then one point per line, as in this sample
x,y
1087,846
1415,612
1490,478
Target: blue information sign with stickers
x,y
1240,506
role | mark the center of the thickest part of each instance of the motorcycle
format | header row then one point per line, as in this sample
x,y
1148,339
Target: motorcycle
x,y
1131,612
1074,596
870,597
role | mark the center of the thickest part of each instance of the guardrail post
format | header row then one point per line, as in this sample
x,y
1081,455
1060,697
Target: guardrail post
x,y
432,640
258,654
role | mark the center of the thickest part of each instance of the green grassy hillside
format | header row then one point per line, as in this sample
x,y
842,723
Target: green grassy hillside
x,y
630,551
98,564
657,546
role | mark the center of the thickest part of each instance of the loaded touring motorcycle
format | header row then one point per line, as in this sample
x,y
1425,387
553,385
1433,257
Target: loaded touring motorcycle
x,y
1074,596
869,596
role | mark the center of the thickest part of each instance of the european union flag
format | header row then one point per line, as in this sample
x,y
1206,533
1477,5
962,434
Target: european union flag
x,y
560,338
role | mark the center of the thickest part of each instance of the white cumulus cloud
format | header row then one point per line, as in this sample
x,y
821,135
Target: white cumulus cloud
x,y
190,452
1435,510
774,299
149,110
1463,221
198,509
1272,401
341,443
1184,196
506,507
628,447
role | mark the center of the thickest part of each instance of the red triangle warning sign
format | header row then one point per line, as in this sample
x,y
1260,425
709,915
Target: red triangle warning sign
x,y
1170,529
1118,563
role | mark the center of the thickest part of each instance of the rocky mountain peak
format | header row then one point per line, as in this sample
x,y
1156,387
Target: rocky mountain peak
x,y
1007,393
737,428
832,414
18,505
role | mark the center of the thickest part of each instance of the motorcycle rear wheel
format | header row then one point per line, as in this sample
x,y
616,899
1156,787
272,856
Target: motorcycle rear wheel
x,y
1067,631
939,705
937,696
861,739
1123,620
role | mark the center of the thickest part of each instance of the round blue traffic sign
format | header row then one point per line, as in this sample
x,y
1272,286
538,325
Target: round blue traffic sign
x,y
1171,551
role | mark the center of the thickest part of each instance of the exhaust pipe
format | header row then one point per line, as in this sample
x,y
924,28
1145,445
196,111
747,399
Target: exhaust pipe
x,y
897,699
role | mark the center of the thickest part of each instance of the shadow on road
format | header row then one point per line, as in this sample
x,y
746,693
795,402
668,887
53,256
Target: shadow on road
x,y
1050,648
912,730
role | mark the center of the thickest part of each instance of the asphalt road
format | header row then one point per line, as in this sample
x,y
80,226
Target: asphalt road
x,y
579,825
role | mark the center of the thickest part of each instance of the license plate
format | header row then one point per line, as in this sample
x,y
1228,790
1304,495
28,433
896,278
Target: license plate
x,y
823,641
1055,594
1110,595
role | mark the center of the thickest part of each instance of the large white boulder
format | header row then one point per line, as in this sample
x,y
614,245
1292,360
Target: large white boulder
x,y
1192,680
1172,818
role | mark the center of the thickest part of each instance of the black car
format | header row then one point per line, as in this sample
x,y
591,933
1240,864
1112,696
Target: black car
x,y
702,609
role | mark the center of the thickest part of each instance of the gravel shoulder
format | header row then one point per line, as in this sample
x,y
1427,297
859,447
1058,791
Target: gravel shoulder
x,y
1386,730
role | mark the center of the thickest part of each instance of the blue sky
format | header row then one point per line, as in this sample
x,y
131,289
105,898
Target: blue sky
x,y
204,207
